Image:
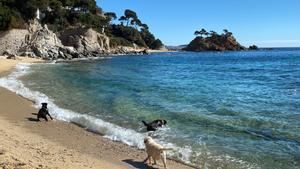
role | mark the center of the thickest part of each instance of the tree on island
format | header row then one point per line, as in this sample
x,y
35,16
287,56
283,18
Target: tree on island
x,y
213,33
122,19
144,26
201,32
227,33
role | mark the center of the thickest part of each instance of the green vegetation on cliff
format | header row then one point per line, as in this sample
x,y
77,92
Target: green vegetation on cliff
x,y
62,14
212,41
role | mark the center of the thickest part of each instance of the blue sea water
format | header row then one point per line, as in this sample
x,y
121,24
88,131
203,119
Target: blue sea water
x,y
224,109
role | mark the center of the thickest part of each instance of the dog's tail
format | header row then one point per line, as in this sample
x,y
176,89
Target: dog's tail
x,y
165,149
145,123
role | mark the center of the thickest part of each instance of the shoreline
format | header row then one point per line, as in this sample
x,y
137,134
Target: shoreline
x,y
7,65
17,113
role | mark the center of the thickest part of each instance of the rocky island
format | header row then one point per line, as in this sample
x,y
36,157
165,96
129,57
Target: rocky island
x,y
212,41
59,29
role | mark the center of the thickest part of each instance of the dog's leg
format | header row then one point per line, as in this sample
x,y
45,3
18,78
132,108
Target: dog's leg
x,y
164,159
145,123
154,161
149,160
146,159
38,117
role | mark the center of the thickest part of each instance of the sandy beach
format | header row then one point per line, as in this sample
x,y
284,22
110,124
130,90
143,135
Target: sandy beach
x,y
26,143
8,64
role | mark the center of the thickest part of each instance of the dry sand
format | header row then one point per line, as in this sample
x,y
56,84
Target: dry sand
x,y
26,143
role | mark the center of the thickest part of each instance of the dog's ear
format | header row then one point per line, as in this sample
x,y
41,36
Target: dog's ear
x,y
164,122
146,140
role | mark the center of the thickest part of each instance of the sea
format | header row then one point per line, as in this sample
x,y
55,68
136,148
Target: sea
x,y
223,109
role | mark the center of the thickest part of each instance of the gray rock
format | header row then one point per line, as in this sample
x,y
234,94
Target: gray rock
x,y
61,55
85,40
9,54
12,40
70,50
68,56
29,54
41,41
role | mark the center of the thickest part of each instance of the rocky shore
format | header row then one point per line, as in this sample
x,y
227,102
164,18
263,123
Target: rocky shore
x,y
39,41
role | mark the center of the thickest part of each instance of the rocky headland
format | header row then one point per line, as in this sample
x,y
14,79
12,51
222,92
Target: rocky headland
x,y
39,41
59,29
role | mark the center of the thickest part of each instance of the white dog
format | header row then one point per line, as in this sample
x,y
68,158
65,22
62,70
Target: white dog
x,y
155,151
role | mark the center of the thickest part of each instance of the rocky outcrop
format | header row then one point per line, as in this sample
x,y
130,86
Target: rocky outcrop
x,y
89,42
10,41
85,40
214,43
253,47
76,43
41,42
130,50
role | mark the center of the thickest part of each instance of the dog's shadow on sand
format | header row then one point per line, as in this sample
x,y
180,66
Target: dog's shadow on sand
x,y
33,119
138,164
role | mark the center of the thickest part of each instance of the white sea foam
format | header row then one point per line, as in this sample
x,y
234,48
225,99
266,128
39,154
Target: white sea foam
x,y
109,130
84,59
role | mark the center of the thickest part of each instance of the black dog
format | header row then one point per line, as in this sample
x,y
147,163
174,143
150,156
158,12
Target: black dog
x,y
43,112
154,124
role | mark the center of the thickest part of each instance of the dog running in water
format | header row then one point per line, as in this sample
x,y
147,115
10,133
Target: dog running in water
x,y
43,112
155,151
154,125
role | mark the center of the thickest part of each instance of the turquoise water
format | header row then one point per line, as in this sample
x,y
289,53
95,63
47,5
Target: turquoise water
x,y
224,109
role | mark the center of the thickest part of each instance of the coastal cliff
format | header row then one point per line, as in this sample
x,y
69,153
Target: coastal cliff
x,y
85,40
11,41
39,41
213,42
65,30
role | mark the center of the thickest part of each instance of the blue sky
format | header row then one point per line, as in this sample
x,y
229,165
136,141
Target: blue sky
x,y
267,23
